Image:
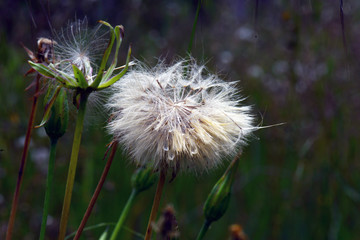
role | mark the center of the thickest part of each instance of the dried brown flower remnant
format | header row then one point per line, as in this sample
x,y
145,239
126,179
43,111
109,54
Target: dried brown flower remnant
x,y
237,232
167,226
45,50
44,54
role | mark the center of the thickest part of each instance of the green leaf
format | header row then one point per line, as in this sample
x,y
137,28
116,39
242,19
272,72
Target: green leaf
x,y
118,76
79,76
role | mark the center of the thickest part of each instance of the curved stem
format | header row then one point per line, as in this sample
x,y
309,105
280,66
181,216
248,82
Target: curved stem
x,y
203,230
49,184
23,160
72,167
97,191
156,203
124,214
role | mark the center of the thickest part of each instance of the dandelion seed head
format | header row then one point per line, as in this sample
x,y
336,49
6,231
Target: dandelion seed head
x,y
179,117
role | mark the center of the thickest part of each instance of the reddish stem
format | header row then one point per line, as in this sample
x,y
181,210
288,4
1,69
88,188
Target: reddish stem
x,y
156,203
97,190
23,160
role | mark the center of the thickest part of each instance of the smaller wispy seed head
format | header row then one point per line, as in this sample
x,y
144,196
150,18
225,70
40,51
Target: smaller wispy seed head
x,y
80,46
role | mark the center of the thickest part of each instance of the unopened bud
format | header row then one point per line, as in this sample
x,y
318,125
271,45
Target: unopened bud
x,y
219,197
57,124
142,179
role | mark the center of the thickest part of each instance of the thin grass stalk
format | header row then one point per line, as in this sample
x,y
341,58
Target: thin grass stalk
x,y
124,214
341,10
49,186
72,166
30,126
156,203
192,36
97,190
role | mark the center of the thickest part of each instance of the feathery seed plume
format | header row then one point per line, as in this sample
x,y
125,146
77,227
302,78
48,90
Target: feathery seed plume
x,y
81,46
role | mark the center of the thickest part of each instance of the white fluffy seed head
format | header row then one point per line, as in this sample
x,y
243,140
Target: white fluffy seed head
x,y
81,46
178,117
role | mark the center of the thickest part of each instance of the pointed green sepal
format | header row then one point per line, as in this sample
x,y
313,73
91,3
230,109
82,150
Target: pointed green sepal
x,y
142,179
105,58
52,73
119,34
71,82
105,23
79,76
115,78
48,107
45,71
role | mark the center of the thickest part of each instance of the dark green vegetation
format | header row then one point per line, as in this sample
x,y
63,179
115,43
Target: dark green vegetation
x,y
296,181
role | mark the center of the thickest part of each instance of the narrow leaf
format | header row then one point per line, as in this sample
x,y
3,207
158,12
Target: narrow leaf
x,y
48,106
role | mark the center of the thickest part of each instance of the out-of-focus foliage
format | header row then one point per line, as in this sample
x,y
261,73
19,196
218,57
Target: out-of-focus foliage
x,y
297,181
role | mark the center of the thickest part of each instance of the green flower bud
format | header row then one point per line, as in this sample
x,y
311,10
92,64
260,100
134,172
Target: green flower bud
x,y
57,124
219,197
142,179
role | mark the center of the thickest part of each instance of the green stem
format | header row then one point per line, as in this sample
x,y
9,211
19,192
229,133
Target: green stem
x,y
203,230
72,167
194,27
49,186
124,214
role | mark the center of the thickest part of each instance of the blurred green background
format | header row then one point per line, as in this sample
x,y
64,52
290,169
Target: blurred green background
x,y
297,64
